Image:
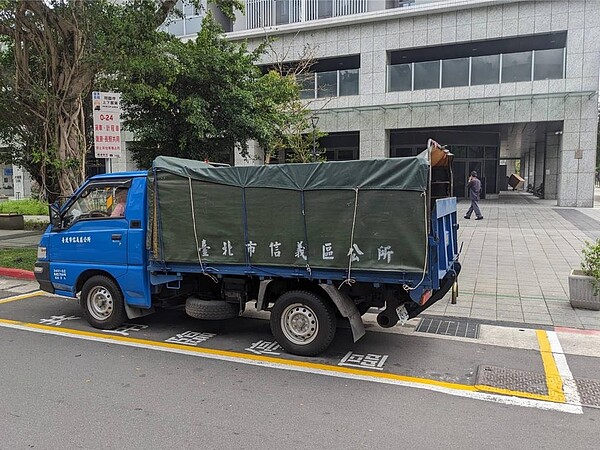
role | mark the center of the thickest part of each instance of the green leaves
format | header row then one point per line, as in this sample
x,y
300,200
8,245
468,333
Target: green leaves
x,y
203,99
590,264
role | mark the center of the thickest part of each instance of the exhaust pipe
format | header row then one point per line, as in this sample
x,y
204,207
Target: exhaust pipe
x,y
387,318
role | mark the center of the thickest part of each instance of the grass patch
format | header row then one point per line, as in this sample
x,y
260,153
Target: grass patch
x,y
28,207
18,258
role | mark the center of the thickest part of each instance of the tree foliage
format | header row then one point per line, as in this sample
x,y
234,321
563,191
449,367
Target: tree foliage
x,y
201,99
52,53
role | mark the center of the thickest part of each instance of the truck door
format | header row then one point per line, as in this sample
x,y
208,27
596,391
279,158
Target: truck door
x,y
93,234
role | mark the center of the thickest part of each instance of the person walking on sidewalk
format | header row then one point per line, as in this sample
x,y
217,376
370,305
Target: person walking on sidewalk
x,y
474,192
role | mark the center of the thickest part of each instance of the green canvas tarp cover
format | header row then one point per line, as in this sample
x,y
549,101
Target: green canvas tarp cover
x,y
371,213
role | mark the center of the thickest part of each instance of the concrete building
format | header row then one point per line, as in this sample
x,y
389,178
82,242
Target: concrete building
x,y
509,85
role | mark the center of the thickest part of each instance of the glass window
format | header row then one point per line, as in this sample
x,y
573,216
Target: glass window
x,y
475,152
188,9
491,152
327,84
176,27
455,72
485,70
516,67
548,64
282,12
341,154
400,77
490,176
459,151
427,75
97,202
193,25
349,82
403,152
347,154
325,9
307,85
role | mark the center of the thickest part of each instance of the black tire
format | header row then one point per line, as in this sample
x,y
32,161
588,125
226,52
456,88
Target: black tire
x,y
303,323
102,303
210,309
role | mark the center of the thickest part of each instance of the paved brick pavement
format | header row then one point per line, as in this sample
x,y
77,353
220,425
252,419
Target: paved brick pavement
x,y
516,262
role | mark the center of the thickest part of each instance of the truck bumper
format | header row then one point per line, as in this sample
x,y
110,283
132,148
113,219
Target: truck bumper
x,y
41,271
447,283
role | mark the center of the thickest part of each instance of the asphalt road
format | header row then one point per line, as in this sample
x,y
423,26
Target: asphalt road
x,y
66,385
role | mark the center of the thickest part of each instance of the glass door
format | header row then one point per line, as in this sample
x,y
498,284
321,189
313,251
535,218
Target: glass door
x,y
460,178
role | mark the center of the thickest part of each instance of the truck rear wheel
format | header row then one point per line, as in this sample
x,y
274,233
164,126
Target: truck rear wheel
x,y
102,303
303,323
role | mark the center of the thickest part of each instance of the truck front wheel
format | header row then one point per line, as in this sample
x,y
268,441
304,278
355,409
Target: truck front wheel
x,y
102,303
303,323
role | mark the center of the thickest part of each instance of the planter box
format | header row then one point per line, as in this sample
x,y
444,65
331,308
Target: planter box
x,y
11,221
581,291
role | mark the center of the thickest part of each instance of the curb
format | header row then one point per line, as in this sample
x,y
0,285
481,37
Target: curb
x,y
17,273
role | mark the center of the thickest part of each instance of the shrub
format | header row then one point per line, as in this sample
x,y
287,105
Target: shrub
x,y
29,207
590,264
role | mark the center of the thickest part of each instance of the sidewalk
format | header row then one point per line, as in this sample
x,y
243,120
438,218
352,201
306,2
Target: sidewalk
x,y
516,262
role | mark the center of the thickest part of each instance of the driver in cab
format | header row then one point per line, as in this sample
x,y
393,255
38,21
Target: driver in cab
x,y
121,198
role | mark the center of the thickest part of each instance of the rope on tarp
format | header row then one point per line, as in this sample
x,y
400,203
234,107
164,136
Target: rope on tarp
x,y
349,280
212,277
308,268
406,287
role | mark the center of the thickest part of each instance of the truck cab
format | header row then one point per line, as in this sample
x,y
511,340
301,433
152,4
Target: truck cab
x,y
87,241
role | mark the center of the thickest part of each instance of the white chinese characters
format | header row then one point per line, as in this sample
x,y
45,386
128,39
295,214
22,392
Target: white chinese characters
x,y
354,253
57,320
126,328
384,253
76,239
369,361
264,348
192,338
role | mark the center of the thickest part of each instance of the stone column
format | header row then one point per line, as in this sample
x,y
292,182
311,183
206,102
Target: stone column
x,y
552,163
539,170
578,153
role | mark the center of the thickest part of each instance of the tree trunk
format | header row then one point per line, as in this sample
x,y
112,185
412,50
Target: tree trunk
x,y
70,145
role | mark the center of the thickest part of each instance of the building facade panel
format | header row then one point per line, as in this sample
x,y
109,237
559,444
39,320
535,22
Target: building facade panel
x,y
542,98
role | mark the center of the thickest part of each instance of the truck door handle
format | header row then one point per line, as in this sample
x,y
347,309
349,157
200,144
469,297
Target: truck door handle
x,y
116,237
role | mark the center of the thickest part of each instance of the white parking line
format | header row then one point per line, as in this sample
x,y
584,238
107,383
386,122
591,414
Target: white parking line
x,y
569,385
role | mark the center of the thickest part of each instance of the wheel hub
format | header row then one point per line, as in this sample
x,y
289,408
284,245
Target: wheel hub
x,y
100,303
299,324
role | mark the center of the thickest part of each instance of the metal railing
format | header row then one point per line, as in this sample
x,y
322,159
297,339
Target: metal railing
x,y
267,13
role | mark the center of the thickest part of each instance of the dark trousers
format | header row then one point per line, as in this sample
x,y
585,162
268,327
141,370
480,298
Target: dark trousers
x,y
474,207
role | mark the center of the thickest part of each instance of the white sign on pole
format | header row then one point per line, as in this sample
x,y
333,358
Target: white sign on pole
x,y
107,124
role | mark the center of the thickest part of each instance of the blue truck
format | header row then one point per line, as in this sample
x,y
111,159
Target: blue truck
x,y
312,243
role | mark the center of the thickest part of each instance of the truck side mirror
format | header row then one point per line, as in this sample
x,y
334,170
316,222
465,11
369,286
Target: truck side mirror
x,y
54,214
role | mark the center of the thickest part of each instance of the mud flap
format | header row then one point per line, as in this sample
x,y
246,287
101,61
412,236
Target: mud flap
x,y
347,308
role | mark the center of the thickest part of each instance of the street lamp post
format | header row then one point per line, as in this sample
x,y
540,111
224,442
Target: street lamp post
x,y
314,120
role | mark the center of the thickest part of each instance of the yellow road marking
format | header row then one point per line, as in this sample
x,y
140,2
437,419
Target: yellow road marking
x,y
554,382
230,354
21,297
290,362
502,391
553,379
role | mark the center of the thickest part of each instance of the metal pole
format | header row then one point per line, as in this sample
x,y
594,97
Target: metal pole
x,y
314,152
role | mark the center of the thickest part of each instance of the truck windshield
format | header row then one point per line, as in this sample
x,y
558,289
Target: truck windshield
x,y
95,202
